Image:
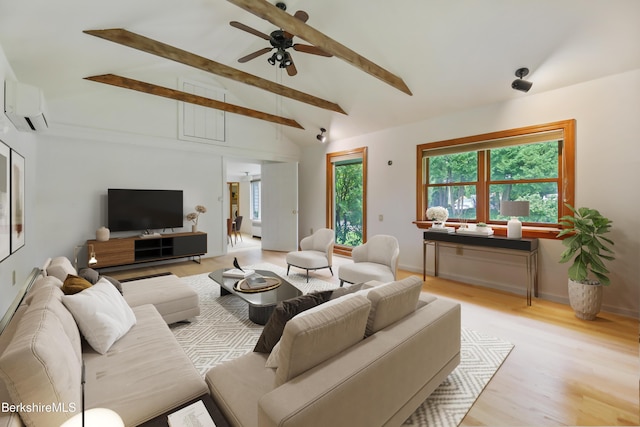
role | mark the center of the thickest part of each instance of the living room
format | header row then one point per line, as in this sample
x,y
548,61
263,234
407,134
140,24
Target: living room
x,y
101,137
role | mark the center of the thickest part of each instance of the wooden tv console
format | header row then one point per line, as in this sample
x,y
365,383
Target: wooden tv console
x,y
134,250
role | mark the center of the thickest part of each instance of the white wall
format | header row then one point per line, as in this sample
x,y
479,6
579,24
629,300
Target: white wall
x,y
21,262
103,137
607,169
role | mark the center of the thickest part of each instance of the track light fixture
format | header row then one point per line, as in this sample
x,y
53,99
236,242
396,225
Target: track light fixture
x,y
519,84
321,136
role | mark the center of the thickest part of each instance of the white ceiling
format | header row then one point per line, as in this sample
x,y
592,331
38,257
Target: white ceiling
x,y
453,54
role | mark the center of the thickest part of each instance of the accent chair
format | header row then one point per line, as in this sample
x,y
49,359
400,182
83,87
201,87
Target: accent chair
x,y
377,259
315,252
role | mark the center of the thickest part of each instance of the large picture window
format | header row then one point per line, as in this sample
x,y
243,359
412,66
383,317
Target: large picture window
x,y
471,176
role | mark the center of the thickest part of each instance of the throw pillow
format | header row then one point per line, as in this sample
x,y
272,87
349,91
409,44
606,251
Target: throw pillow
x,y
284,312
102,315
320,333
74,284
89,274
391,302
114,282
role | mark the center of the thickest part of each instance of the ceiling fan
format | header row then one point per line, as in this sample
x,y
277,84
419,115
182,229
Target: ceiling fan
x,y
281,41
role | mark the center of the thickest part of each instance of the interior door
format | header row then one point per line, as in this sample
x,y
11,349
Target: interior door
x,y
280,206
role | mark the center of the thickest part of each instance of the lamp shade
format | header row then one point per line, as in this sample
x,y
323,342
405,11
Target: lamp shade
x,y
514,208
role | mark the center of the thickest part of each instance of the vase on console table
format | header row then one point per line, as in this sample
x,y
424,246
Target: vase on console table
x,y
194,228
438,224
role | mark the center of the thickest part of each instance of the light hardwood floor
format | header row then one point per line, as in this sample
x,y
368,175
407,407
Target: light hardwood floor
x,y
562,370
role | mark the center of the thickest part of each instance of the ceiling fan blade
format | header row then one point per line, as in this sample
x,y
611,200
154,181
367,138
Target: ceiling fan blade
x,y
292,70
310,49
301,15
265,10
137,85
241,26
254,54
154,47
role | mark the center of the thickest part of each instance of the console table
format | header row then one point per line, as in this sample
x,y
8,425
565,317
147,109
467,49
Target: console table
x,y
526,248
134,250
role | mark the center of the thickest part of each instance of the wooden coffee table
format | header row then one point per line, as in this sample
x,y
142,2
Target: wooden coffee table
x,y
261,304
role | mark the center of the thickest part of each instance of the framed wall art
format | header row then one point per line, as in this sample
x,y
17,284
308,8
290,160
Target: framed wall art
x,y
5,207
17,201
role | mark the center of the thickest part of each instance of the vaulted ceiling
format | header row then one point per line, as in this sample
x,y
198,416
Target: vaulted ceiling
x,y
453,55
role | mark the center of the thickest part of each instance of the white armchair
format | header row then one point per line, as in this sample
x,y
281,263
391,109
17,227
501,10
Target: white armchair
x,y
315,252
377,259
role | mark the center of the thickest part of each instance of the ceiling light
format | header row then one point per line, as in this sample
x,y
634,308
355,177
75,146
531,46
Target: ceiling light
x,y
519,84
272,60
321,136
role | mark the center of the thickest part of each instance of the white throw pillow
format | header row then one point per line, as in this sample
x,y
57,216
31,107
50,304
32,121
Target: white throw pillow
x,y
102,314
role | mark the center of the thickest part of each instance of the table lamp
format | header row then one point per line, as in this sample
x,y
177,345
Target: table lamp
x,y
514,209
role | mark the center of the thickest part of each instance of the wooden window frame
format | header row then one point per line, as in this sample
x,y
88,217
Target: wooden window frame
x,y
330,159
566,183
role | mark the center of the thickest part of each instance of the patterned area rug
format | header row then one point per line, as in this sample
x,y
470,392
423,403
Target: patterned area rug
x,y
223,332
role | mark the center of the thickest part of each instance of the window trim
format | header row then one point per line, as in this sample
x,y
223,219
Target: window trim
x,y
331,158
567,165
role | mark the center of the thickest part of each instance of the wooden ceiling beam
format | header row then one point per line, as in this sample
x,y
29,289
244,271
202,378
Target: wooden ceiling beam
x,y
137,85
290,24
154,47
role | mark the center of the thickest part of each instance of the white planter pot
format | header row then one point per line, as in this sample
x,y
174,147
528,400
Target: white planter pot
x,y
585,300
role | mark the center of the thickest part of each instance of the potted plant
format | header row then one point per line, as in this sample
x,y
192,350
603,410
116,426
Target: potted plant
x,y
588,248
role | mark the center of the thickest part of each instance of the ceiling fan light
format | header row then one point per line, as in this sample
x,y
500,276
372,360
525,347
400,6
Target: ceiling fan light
x,y
280,55
272,60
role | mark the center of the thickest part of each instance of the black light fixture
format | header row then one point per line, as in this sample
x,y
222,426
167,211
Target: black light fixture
x,y
519,84
321,136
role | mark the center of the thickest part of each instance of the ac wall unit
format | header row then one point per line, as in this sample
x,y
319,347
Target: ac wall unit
x,y
24,105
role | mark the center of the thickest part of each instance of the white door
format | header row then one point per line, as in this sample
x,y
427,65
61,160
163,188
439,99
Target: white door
x,y
279,206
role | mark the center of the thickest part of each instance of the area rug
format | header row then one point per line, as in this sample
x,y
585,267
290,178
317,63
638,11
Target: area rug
x,y
223,332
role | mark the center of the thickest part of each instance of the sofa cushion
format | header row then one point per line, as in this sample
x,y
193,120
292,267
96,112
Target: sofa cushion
x,y
59,267
319,333
173,298
42,282
74,284
144,374
101,313
41,363
284,312
391,302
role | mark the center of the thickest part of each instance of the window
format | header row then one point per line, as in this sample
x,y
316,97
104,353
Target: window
x,y
255,200
346,198
471,176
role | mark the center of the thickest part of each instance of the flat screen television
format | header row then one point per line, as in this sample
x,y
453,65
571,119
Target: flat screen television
x,y
129,210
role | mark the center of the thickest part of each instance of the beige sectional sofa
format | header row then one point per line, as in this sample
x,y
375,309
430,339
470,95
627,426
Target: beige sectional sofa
x,y
323,373
143,374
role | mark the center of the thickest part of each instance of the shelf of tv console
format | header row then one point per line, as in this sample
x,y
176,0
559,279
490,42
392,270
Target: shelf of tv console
x,y
135,250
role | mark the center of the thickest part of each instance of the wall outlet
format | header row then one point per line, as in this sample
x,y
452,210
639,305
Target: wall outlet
x,y
380,217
